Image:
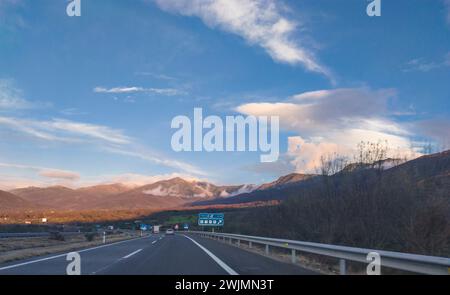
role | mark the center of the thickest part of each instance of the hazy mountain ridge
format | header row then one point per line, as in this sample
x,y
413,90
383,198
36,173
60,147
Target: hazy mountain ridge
x,y
431,172
286,180
161,194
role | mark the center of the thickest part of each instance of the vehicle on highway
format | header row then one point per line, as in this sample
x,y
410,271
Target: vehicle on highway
x,y
156,229
169,231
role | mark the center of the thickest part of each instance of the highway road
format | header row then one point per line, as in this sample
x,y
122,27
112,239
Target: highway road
x,y
158,255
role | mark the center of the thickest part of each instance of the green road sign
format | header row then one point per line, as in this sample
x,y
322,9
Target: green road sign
x,y
211,219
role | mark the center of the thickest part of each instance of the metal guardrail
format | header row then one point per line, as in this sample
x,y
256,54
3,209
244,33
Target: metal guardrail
x,y
402,261
36,234
23,235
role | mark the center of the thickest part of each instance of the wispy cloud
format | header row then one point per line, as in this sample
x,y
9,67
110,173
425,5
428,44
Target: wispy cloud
x,y
6,3
89,130
129,90
11,98
436,129
422,65
10,18
447,10
149,156
156,76
260,22
49,173
60,174
65,131
72,112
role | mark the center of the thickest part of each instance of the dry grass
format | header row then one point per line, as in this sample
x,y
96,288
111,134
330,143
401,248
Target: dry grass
x,y
21,248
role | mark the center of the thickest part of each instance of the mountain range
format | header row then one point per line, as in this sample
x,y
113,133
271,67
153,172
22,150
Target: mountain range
x,y
432,171
162,194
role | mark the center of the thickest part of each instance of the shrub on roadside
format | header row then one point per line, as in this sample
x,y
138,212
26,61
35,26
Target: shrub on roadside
x,y
90,236
57,236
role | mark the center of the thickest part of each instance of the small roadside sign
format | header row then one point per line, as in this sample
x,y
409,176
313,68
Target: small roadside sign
x,y
211,219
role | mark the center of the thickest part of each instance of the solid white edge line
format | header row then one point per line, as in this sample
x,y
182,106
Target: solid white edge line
x,y
131,254
222,264
65,254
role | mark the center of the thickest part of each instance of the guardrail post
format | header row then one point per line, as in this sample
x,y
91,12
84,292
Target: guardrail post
x,y
238,243
267,250
342,267
293,256
250,245
104,237
231,241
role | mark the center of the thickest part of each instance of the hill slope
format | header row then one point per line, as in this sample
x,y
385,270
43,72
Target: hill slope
x,y
9,201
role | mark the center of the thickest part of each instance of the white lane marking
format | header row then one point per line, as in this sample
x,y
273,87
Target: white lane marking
x,y
118,260
65,254
222,264
131,254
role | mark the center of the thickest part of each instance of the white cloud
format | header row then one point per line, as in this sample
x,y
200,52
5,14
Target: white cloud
x,y
11,97
335,121
128,90
259,22
317,112
306,155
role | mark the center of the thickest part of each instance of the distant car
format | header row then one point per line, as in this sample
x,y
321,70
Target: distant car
x,y
169,232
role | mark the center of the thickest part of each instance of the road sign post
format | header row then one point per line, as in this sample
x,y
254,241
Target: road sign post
x,y
211,219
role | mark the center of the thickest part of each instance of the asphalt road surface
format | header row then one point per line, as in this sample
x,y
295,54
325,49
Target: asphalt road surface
x,y
158,255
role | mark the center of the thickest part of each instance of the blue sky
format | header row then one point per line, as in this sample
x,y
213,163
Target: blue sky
x,y
90,99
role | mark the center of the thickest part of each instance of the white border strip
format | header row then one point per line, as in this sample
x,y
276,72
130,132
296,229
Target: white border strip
x,y
222,264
